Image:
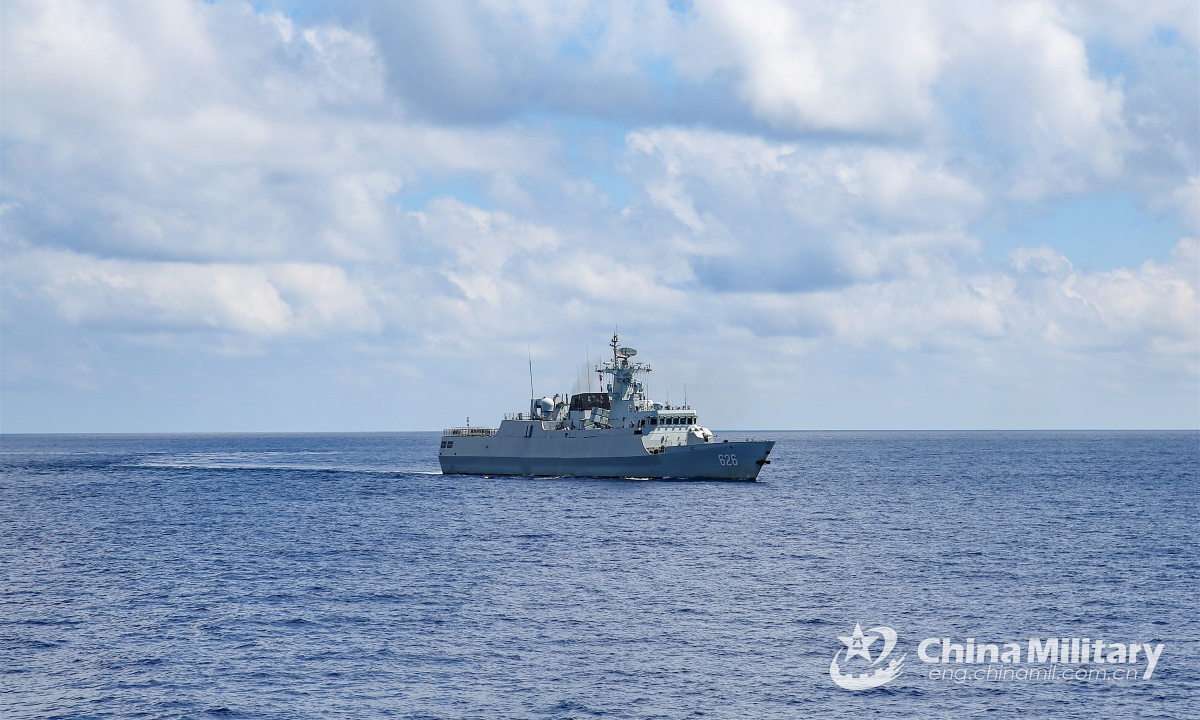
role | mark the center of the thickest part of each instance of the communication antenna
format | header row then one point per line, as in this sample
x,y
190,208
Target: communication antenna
x,y
587,360
685,405
529,355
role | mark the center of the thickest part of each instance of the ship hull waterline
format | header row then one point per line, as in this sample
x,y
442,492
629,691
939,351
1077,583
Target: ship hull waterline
x,y
711,461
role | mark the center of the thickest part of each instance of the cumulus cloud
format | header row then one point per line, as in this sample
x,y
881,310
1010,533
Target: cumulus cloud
x,y
1186,198
864,67
259,300
1038,95
793,217
1040,301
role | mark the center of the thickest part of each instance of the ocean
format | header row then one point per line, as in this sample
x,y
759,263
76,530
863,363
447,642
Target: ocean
x,y
342,576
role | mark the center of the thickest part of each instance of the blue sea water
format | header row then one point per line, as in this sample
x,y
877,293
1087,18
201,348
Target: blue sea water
x,y
341,576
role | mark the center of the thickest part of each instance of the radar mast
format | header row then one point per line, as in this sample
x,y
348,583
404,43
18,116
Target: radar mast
x,y
624,385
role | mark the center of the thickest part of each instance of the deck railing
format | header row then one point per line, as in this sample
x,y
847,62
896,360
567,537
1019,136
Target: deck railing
x,y
468,432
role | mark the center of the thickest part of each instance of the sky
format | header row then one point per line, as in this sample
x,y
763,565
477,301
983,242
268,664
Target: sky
x,y
375,216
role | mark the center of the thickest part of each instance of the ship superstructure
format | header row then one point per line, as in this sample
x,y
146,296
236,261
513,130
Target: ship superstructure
x,y
618,432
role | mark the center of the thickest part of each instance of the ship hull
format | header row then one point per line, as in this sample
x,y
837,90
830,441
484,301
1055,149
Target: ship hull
x,y
708,461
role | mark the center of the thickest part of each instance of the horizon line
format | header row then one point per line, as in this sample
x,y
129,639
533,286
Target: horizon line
x,y
735,430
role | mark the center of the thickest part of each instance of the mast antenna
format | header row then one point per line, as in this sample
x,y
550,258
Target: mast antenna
x,y
529,355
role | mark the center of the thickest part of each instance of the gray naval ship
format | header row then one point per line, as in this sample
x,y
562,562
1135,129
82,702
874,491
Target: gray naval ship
x,y
617,433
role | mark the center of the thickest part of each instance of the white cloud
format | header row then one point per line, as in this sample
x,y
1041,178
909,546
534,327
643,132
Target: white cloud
x,y
259,300
794,217
829,66
1038,94
822,185
242,136
1153,308
1186,198
1041,303
1014,75
1129,23
480,246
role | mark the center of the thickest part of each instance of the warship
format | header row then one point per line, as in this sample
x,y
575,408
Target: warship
x,y
615,433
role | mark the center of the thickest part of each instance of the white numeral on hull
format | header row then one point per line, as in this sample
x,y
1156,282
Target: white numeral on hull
x,y
727,460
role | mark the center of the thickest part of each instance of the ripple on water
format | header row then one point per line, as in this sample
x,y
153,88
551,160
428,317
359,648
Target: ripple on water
x,y
289,576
